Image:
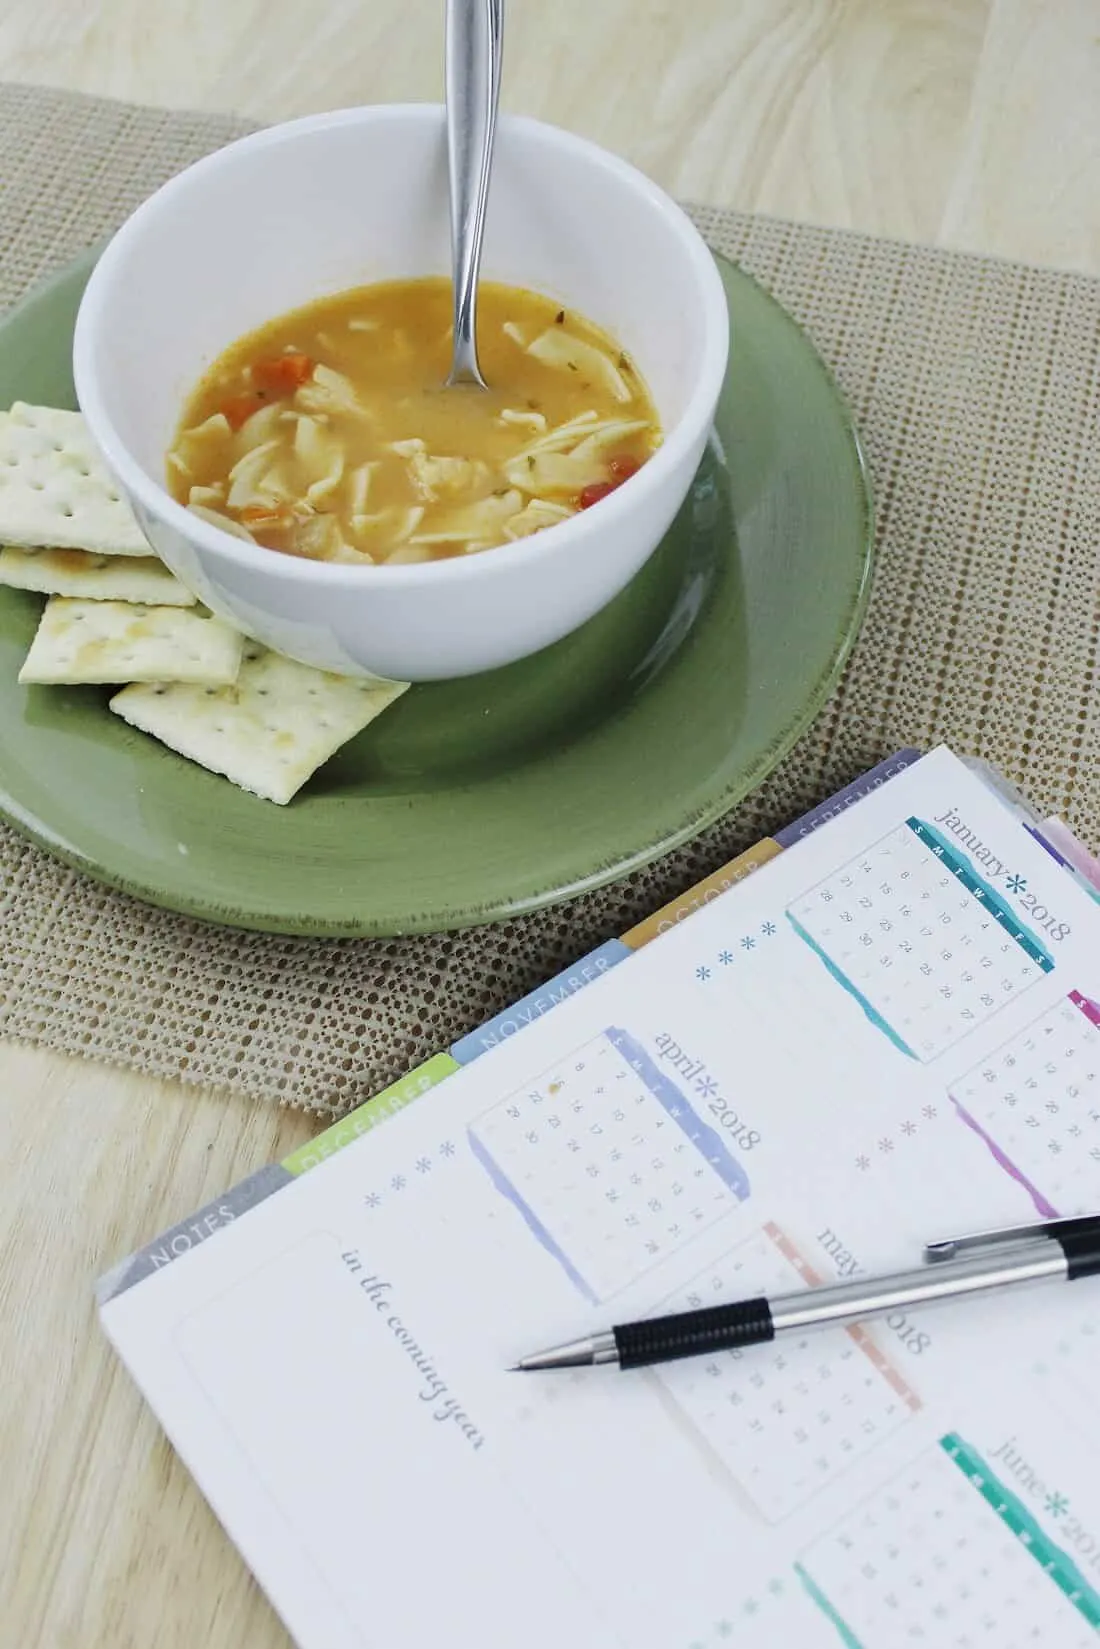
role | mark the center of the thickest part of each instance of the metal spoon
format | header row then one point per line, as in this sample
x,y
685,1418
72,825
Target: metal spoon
x,y
475,31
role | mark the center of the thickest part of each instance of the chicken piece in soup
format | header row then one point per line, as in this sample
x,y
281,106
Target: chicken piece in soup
x,y
328,433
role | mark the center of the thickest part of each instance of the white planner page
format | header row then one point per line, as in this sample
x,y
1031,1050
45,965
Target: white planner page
x,y
887,1035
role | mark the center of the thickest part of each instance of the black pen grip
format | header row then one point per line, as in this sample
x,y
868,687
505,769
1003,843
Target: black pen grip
x,y
692,1333
1080,1243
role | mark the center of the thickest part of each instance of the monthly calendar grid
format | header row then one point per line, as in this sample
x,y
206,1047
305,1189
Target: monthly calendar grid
x,y
979,888
1045,1551
947,1555
915,936
785,1421
608,1163
1035,1103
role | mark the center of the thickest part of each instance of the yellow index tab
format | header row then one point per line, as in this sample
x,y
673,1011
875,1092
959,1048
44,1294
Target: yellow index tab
x,y
702,893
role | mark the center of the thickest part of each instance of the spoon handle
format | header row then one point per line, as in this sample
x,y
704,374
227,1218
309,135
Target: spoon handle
x,y
475,31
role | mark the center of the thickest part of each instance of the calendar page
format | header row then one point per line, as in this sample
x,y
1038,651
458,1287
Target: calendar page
x,y
608,1162
888,1034
920,939
786,1421
1035,1100
947,1553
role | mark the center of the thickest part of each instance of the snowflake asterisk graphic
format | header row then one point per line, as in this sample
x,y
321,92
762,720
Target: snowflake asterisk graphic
x,y
724,1629
398,1182
928,1111
702,973
423,1165
372,1199
886,1146
748,942
863,1162
908,1127
1056,1504
768,929
1017,884
447,1149
706,1086
725,957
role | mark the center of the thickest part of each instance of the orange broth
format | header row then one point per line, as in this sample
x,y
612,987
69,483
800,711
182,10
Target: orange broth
x,y
328,433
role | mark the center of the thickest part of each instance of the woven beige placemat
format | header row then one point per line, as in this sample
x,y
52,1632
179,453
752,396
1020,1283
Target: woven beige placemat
x,y
976,385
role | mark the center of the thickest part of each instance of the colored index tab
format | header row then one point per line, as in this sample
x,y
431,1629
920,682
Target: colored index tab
x,y
846,798
703,893
369,1115
539,1002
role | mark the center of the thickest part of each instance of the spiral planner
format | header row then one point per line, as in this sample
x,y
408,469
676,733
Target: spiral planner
x,y
887,1033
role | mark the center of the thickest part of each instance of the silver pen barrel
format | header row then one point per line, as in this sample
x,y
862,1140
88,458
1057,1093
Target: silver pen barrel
x,y
983,1273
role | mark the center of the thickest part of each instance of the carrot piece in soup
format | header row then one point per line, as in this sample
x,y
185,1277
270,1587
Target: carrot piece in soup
x,y
239,409
592,495
620,470
283,374
339,439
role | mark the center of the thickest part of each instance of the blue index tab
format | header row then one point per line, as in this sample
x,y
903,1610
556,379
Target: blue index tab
x,y
1002,913
540,1001
706,1139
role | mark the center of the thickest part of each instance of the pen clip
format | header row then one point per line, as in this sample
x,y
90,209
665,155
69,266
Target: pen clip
x,y
1007,1236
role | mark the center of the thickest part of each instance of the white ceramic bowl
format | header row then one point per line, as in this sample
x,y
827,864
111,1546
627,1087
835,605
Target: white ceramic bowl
x,y
340,200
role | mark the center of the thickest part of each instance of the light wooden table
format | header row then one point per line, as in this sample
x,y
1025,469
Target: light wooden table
x,y
970,123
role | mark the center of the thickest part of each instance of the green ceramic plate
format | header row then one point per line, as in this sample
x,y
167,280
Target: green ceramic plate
x,y
482,798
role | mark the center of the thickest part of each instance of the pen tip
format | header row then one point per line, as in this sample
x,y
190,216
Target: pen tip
x,y
514,1368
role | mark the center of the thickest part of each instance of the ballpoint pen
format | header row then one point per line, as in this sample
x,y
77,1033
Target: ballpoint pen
x,y
957,1268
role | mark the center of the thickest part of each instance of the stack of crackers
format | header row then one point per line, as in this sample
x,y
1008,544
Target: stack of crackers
x,y
116,615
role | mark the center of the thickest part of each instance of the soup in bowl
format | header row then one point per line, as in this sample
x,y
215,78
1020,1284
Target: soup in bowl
x,y
346,214
330,433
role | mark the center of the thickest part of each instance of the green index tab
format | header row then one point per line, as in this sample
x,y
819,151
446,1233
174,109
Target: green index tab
x,y
370,1114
